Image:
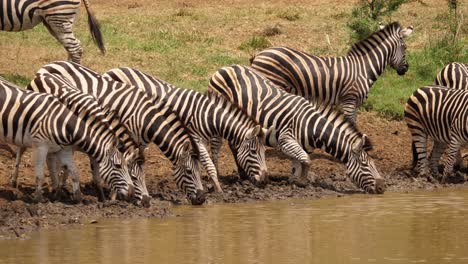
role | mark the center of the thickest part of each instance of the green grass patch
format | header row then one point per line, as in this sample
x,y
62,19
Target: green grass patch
x,y
255,43
21,81
290,14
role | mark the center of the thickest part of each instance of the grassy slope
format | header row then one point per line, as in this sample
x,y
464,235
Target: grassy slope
x,y
185,43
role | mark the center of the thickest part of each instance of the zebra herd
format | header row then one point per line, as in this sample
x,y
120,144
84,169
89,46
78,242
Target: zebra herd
x,y
286,99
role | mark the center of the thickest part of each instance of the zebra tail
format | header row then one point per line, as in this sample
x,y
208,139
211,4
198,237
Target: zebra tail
x,y
94,28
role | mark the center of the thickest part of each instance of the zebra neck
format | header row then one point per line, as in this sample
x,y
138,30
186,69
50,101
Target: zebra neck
x,y
331,133
371,65
93,140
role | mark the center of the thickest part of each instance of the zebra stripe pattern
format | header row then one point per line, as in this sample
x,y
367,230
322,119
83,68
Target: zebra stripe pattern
x,y
442,114
296,126
88,109
207,120
453,75
147,120
40,121
57,15
343,81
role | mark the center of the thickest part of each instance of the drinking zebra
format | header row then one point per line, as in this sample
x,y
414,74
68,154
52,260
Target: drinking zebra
x,y
147,120
85,106
343,81
296,126
442,114
58,17
40,121
453,75
207,120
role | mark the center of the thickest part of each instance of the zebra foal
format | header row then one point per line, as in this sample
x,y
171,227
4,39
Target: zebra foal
x,y
207,120
58,16
344,81
40,121
86,106
442,114
296,127
148,120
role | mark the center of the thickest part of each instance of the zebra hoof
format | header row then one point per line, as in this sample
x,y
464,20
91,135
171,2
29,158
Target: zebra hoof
x,y
38,197
14,184
77,198
299,182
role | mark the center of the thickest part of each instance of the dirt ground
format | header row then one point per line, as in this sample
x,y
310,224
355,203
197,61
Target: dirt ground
x,y
19,215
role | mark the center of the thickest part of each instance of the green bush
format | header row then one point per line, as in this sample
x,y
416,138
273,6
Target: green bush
x,y
255,43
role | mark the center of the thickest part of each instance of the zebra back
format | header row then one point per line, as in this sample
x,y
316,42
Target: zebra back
x,y
453,75
149,119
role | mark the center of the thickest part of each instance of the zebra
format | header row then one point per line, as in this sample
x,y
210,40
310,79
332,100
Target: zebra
x,y
40,121
58,16
442,114
453,75
85,105
207,120
147,120
344,81
296,126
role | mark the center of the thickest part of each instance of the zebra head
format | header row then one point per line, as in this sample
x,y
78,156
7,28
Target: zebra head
x,y
250,154
398,58
361,168
114,170
136,162
187,173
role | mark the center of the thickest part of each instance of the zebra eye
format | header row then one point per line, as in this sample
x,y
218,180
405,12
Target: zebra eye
x,y
118,165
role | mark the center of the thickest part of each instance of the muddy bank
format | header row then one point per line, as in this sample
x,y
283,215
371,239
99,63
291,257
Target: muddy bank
x,y
392,153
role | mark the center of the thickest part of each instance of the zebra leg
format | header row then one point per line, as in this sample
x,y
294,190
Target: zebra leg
x,y
436,153
216,144
97,180
14,176
291,147
208,165
419,146
63,32
66,159
53,169
453,149
39,158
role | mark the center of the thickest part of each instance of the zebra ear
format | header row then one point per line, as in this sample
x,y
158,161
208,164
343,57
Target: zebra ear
x,y
381,25
367,144
406,32
254,132
185,148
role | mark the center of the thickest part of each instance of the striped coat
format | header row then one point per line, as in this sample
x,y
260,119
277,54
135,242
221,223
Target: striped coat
x,y
297,127
57,15
40,121
441,114
344,81
148,121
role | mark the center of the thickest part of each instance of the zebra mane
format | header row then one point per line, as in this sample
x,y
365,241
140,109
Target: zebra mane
x,y
328,110
224,103
360,47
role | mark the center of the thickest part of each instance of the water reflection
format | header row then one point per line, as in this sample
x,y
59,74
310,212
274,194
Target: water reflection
x,y
393,228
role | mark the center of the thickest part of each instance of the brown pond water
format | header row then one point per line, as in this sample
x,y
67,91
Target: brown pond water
x,y
422,227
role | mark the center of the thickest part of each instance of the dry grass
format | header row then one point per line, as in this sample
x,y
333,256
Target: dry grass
x,y
185,42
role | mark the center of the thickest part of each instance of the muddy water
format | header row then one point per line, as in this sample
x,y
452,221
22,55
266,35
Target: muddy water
x,y
429,227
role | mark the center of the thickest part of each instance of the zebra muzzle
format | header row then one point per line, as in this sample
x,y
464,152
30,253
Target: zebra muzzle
x,y
379,186
199,198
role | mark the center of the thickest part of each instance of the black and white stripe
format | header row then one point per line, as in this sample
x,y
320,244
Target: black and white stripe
x,y
85,106
40,121
57,15
147,120
343,81
453,75
442,114
207,120
297,127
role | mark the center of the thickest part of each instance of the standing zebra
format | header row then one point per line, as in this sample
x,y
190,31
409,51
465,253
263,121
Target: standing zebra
x,y
58,17
40,121
296,126
343,81
207,120
453,75
85,106
442,114
147,120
